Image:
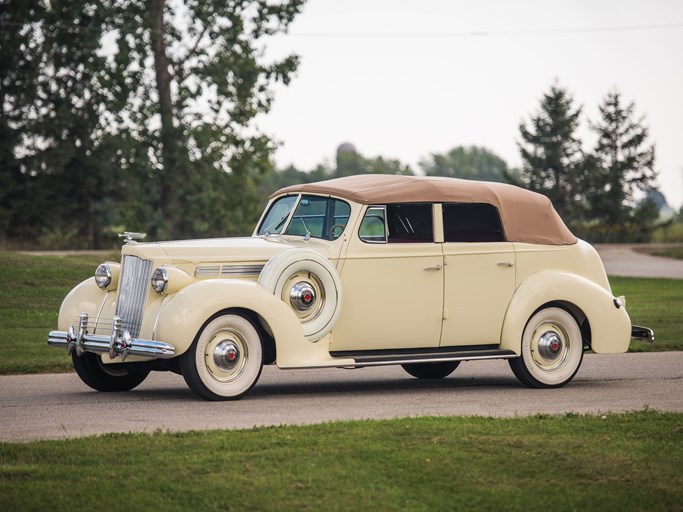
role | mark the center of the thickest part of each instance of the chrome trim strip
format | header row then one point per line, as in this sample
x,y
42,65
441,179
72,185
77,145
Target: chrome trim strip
x,y
228,270
408,360
241,270
207,271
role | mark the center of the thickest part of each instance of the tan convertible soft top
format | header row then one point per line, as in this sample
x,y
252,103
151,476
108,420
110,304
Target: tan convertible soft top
x,y
527,216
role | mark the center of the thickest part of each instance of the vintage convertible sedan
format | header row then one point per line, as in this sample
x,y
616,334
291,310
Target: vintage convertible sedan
x,y
368,270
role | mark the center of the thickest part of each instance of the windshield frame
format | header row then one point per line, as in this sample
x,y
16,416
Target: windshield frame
x,y
286,221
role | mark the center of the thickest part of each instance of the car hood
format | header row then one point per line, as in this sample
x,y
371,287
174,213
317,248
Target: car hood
x,y
248,249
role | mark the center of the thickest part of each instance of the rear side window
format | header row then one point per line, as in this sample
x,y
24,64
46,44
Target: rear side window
x,y
472,222
410,223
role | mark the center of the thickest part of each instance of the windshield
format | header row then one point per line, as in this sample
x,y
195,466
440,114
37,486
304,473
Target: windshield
x,y
277,216
315,216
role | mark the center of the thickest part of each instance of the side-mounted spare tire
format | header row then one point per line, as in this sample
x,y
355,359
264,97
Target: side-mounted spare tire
x,y
308,283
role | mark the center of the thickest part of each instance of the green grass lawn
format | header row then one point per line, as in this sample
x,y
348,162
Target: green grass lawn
x,y
623,462
654,303
31,291
33,287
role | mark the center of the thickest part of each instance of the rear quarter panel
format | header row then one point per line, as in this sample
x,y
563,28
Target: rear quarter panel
x,y
573,277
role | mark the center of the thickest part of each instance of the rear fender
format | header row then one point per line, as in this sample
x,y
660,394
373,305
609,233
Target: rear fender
x,y
610,326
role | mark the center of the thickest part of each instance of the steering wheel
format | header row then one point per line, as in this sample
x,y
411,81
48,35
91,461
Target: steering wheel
x,y
332,228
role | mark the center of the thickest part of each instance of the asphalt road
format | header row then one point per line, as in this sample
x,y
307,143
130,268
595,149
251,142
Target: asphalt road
x,y
629,261
61,406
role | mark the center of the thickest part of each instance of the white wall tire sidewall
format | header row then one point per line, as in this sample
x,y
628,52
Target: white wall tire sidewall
x,y
564,373
281,267
253,355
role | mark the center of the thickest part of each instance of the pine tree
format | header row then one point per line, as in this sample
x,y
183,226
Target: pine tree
x,y
623,161
552,158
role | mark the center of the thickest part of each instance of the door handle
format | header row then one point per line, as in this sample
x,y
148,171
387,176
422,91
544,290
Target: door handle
x,y
435,267
506,264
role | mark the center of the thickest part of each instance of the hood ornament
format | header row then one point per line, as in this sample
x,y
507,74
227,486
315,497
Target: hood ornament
x,y
130,237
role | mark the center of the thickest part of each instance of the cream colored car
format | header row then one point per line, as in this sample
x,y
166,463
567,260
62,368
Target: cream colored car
x,y
351,272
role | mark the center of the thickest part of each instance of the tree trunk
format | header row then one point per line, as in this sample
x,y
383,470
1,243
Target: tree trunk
x,y
170,173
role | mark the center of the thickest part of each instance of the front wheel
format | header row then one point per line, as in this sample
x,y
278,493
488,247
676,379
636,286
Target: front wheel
x,y
431,370
106,377
225,360
552,350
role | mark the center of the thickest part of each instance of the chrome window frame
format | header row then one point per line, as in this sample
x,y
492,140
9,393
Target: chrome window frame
x,y
383,208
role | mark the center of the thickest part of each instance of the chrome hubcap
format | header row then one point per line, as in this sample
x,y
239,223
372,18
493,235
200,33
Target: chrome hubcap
x,y
302,296
226,355
550,345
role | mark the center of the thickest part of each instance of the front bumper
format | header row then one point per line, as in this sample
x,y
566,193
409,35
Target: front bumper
x,y
642,333
119,343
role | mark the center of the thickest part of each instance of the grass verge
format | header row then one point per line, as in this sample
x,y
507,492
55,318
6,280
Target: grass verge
x,y
654,303
33,287
622,462
670,252
31,291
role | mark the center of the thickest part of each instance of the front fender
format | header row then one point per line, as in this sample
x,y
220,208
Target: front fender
x,y
184,313
610,327
85,297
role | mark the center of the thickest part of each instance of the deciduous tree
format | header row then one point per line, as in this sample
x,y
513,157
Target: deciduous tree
x,y
469,162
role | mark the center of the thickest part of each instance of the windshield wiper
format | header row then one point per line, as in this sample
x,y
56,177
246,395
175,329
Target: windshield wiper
x,y
277,224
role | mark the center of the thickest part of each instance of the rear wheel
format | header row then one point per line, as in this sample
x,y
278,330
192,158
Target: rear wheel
x,y
106,377
225,360
552,350
431,370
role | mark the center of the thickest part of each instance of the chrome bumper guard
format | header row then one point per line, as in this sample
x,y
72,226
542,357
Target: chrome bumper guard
x,y
642,334
119,343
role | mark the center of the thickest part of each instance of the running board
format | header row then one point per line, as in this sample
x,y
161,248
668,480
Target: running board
x,y
389,357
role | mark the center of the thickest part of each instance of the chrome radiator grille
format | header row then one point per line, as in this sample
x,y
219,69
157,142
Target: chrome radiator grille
x,y
133,291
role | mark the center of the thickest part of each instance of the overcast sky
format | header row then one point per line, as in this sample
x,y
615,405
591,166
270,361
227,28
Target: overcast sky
x,y
406,78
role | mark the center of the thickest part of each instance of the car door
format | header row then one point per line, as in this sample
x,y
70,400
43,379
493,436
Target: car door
x,y
392,280
479,274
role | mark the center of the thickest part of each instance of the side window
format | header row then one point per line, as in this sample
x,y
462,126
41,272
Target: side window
x,y
472,222
373,227
410,223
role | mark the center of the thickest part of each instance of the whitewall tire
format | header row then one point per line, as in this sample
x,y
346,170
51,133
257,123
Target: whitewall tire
x,y
309,284
551,351
225,360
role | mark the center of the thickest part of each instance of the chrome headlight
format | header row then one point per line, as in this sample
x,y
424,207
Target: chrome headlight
x,y
159,280
103,276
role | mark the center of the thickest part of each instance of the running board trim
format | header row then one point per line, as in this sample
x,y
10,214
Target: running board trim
x,y
433,357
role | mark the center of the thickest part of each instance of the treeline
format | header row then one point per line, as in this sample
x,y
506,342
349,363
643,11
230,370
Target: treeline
x,y
138,115
134,114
